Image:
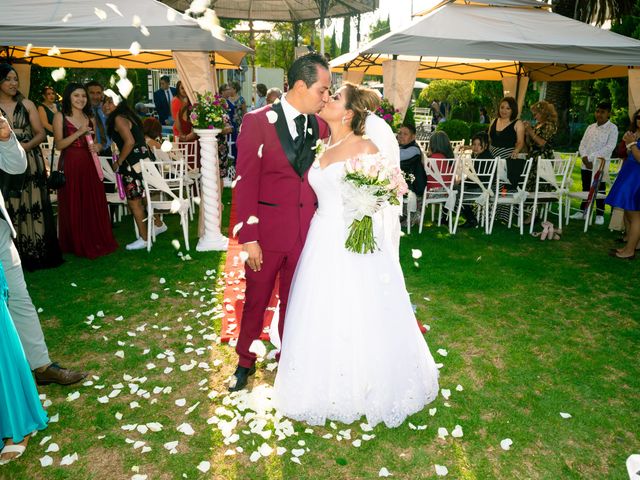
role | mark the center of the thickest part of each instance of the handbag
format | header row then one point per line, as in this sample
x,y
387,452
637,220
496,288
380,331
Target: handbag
x,y
56,178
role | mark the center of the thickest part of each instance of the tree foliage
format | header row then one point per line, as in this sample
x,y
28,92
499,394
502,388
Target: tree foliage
x,y
594,11
380,28
345,45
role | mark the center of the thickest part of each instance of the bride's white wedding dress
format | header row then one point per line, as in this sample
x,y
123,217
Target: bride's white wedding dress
x,y
351,344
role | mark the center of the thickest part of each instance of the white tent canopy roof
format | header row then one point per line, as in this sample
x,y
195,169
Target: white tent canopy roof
x,y
497,42
76,25
282,10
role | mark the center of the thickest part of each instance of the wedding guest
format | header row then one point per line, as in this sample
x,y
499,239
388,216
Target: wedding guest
x,y
96,97
26,195
261,95
13,160
480,146
411,159
108,106
47,109
21,412
484,116
182,127
163,100
273,94
238,102
625,192
506,136
439,148
540,137
125,127
598,141
152,132
83,214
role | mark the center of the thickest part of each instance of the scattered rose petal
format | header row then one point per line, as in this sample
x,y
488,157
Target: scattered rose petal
x,y
457,432
441,470
134,49
506,443
52,448
252,220
236,228
101,14
442,432
176,244
186,429
432,411
446,393
154,296
66,18
181,402
119,354
272,116
416,254
255,456
69,459
459,388
73,396
442,352
265,450
46,461
260,150
384,472
204,466
124,86
58,74
565,415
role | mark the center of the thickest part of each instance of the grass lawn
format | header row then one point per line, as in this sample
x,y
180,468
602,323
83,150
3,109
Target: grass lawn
x,y
531,329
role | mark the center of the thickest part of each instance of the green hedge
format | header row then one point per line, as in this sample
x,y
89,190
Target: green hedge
x,y
455,129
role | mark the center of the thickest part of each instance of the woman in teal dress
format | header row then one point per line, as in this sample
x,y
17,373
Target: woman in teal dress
x,y
21,412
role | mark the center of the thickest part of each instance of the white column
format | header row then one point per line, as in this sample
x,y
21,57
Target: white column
x,y
212,238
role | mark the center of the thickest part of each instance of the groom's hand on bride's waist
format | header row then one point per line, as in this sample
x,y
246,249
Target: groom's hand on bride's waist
x,y
255,255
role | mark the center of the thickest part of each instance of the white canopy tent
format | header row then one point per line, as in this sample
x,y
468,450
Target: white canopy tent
x,y
497,40
95,34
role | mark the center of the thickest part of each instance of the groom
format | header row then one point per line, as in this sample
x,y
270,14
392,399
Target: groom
x,y
274,200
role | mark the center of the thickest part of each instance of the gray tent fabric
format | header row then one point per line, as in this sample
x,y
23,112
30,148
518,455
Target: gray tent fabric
x,y
91,24
472,41
282,10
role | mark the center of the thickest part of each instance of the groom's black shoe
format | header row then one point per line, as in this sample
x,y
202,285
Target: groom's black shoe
x,y
240,378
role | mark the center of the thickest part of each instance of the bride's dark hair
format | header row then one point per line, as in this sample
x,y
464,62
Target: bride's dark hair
x,y
361,101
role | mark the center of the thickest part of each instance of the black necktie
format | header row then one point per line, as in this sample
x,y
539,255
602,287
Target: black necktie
x,y
299,140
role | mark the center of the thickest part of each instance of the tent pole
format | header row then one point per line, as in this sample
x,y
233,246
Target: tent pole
x,y
322,36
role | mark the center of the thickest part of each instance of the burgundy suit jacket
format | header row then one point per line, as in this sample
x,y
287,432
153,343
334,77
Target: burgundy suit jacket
x,y
272,180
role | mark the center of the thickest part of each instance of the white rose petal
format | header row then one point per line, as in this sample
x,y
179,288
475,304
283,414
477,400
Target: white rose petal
x,y
243,256
136,21
114,8
441,470
58,74
272,116
69,459
260,150
506,443
297,452
565,415
258,348
119,354
237,228
46,461
52,448
357,443
134,49
181,402
124,86
101,14
54,418
166,146
457,432
186,429
442,352
52,52
459,388
255,456
73,396
204,466
446,393
265,450
442,432
415,253
176,244
384,472
252,220
171,15
154,296
280,451
432,411
66,18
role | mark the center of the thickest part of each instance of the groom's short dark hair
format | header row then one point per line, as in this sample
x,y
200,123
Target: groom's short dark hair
x,y
305,68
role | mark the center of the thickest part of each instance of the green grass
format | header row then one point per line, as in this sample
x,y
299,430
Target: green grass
x,y
532,329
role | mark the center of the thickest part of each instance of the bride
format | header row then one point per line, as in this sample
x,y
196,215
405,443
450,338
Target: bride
x,y
351,345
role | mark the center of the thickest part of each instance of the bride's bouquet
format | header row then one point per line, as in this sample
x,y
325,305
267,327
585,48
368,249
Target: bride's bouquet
x,y
368,185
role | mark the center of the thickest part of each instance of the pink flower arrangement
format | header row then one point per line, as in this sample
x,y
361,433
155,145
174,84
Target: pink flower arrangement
x,y
209,111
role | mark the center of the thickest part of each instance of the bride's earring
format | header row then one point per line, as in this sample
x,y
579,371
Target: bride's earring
x,y
343,118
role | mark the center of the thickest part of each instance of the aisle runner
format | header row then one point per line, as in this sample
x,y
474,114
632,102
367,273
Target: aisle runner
x,y
234,290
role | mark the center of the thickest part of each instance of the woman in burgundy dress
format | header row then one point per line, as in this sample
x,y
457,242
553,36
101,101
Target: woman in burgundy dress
x,y
83,214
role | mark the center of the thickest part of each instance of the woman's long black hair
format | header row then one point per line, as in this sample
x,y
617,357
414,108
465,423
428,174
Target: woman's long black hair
x,y
122,110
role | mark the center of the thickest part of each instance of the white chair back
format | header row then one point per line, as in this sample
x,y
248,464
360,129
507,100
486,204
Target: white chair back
x,y
443,172
504,194
552,184
476,188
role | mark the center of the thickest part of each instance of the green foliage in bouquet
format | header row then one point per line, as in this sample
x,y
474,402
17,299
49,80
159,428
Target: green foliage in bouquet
x,y
209,111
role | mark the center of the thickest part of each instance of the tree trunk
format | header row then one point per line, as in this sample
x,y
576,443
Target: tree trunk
x,y
559,94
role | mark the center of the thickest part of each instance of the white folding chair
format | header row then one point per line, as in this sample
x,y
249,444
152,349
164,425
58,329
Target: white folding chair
x,y
177,155
457,145
189,152
164,189
443,172
509,196
610,170
552,179
475,188
113,198
424,145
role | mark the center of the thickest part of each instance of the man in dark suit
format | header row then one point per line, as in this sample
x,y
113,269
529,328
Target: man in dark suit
x,y
162,99
274,200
